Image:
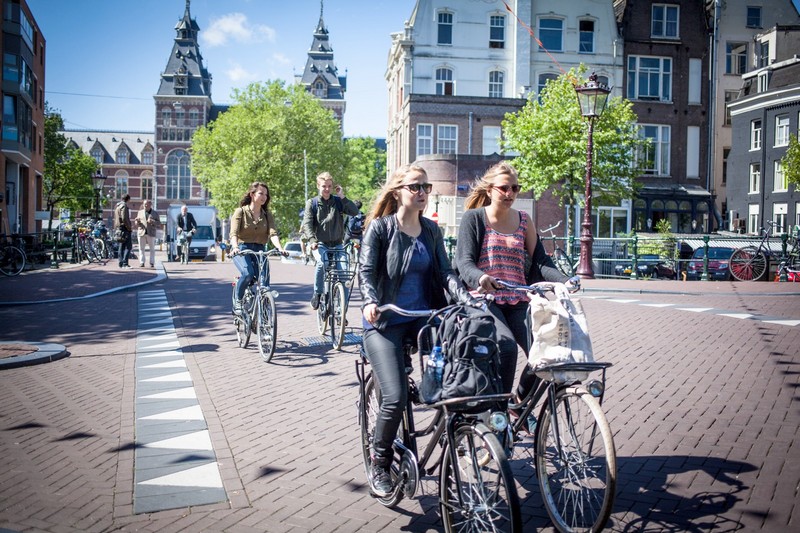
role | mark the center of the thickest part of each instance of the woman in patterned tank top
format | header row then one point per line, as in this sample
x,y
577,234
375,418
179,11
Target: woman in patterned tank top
x,y
494,240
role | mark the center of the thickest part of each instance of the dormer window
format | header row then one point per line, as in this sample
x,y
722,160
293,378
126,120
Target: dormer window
x,y
122,156
147,157
97,154
319,90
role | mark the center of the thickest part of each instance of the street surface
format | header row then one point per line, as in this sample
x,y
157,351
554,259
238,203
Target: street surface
x,y
702,400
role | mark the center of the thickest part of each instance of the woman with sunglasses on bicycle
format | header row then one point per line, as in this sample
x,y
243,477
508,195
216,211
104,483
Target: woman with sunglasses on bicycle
x,y
403,261
494,242
252,225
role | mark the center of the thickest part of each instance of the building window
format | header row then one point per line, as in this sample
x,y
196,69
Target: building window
x,y
654,158
179,179
780,214
755,135
551,34
497,31
166,117
10,131
444,82
664,21
542,81
495,84
491,140
755,178
752,218
763,54
692,151
782,130
447,139
97,154
121,183
122,156
729,97
445,22
10,67
695,80
735,58
180,114
147,186
726,152
586,36
753,16
763,82
194,118
649,78
779,181
424,139
147,157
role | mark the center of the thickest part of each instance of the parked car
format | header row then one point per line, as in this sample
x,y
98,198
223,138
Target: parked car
x,y
294,249
717,264
648,266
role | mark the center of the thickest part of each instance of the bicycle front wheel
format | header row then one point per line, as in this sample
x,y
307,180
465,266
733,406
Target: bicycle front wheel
x,y
99,248
338,312
12,261
322,314
576,462
748,264
267,326
562,262
477,489
242,321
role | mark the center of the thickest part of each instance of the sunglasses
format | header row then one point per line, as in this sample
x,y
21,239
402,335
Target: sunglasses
x,y
505,188
416,187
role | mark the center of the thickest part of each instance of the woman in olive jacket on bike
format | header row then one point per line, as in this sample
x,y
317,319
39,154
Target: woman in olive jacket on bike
x,y
403,261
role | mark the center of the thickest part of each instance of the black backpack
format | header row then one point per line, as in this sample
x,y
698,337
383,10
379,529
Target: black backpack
x,y
355,227
468,338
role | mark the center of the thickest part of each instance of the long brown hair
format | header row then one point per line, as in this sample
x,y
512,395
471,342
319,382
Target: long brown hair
x,y
480,195
246,199
386,204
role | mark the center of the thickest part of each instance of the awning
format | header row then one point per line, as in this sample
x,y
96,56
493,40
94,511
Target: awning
x,y
694,191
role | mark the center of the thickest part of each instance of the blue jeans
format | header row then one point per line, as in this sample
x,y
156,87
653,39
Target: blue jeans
x,y
319,280
125,250
248,268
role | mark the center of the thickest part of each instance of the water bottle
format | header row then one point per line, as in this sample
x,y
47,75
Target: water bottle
x,y
437,360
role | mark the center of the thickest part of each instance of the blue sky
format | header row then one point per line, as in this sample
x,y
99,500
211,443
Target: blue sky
x,y
114,52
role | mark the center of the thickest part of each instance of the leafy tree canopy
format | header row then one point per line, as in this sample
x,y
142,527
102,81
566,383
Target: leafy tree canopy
x,y
366,169
261,138
791,162
550,135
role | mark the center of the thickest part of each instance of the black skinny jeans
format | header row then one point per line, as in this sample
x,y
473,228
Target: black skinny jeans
x,y
384,350
513,329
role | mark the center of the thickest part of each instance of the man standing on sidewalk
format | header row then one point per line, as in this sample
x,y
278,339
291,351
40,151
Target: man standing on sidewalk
x,y
147,221
122,218
323,224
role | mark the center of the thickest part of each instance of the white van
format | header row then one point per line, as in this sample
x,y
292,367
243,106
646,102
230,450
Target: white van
x,y
204,239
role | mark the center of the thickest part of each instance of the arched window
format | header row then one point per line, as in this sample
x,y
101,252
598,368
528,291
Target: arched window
x,y
121,183
496,84
179,179
147,185
444,82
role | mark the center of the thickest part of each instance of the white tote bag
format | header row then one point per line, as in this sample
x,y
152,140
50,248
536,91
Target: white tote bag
x,y
560,332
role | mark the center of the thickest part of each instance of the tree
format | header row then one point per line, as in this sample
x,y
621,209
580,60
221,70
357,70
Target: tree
x,y
549,133
261,138
791,162
366,169
67,181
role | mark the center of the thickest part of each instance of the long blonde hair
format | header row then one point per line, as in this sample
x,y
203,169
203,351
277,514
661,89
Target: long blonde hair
x,y
480,195
386,204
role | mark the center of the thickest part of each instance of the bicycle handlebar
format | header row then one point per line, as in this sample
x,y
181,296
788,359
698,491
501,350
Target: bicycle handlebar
x,y
551,228
540,287
262,253
416,313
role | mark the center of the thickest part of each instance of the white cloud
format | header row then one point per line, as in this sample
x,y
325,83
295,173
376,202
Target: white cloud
x,y
238,74
281,59
236,27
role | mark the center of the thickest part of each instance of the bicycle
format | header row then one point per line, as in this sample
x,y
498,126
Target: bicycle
x,y
183,245
334,300
353,249
790,263
12,258
477,491
560,258
258,309
749,263
570,444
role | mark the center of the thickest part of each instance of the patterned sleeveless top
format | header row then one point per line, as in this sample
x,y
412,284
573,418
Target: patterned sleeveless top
x,y
503,257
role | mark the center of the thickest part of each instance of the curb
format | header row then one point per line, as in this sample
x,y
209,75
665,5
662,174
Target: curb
x,y
45,353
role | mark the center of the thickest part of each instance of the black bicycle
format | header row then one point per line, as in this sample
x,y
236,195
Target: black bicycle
x,y
12,258
335,297
477,491
569,443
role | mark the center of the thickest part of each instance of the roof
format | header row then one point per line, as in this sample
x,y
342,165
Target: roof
x,y
111,141
185,73
321,66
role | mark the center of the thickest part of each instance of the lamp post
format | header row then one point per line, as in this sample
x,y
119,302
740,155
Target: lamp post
x,y
97,182
435,216
592,98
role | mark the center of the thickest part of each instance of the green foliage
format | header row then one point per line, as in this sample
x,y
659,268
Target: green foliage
x,y
67,181
791,161
262,138
664,227
366,169
550,135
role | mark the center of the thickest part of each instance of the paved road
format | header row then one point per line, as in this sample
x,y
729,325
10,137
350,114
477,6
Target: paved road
x,y
702,400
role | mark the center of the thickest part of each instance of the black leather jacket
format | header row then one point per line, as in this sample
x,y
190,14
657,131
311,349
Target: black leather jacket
x,y
385,256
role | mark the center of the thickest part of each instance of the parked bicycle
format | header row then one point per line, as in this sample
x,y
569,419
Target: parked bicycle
x,y
560,258
334,300
749,263
477,491
569,443
258,309
790,263
12,258
353,249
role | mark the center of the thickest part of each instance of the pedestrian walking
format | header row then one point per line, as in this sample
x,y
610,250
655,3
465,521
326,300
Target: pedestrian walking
x,y
147,222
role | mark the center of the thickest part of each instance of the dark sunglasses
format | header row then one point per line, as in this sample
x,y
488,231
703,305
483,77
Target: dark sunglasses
x,y
505,188
415,187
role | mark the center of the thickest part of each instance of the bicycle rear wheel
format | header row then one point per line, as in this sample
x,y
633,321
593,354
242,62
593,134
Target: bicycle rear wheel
x,y
748,264
576,462
338,312
561,259
267,326
368,414
12,261
482,478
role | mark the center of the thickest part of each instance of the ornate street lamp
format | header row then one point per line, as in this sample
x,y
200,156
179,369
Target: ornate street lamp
x,y
592,98
97,183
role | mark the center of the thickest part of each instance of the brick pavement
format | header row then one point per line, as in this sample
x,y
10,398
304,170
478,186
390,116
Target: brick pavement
x,y
702,407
